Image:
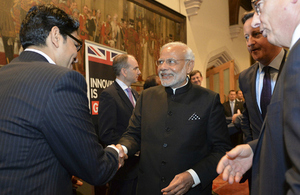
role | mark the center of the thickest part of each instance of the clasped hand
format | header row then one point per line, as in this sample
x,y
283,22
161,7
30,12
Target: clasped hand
x,y
122,155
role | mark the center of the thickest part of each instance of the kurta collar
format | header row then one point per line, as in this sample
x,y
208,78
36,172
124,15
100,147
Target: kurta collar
x,y
180,90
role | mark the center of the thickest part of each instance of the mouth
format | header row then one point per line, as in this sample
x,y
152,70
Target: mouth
x,y
165,75
255,49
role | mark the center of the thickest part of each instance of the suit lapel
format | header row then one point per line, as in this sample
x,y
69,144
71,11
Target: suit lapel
x,y
281,65
123,96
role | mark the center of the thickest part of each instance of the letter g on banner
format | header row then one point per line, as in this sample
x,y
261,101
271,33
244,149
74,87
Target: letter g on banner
x,y
95,105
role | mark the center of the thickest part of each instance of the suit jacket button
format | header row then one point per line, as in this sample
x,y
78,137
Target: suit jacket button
x,y
163,179
165,145
170,113
163,163
168,129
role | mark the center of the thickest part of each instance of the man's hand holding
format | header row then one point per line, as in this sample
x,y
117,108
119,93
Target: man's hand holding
x,y
235,163
122,155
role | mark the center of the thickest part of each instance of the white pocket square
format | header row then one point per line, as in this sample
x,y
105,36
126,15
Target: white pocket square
x,y
194,117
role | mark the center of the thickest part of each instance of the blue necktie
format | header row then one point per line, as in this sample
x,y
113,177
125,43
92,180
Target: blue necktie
x,y
265,92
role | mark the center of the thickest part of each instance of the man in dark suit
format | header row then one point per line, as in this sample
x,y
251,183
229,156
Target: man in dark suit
x,y
115,109
275,155
232,106
239,96
251,79
46,132
179,128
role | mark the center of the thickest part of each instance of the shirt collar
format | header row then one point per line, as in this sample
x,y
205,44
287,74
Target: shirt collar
x,y
41,53
275,63
296,36
122,84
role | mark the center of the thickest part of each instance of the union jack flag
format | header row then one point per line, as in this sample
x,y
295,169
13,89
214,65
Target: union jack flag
x,y
101,54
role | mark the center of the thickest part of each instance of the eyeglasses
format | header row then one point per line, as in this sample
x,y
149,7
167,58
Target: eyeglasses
x,y
170,61
256,5
78,47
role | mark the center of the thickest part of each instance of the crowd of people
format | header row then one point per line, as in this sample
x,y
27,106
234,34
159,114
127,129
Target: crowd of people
x,y
172,137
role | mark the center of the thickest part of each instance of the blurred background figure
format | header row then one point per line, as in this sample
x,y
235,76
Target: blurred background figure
x,y
239,96
151,81
196,77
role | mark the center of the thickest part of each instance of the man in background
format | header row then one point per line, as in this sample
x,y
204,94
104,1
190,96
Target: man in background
x,y
196,77
239,96
274,157
46,131
151,81
251,80
115,108
232,106
180,129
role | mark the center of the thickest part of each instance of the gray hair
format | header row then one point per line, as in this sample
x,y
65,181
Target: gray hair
x,y
119,62
189,53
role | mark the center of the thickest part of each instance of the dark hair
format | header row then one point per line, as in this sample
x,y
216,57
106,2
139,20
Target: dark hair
x,y
194,72
40,20
150,81
232,91
119,62
247,16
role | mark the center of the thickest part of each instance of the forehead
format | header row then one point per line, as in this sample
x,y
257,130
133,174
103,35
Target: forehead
x,y
132,61
248,28
173,52
196,75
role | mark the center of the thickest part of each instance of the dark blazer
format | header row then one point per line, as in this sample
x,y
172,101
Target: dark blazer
x,y
291,122
115,110
270,160
176,133
46,131
252,120
227,108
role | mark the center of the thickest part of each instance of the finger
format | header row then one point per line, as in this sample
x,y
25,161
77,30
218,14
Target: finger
x,y
221,165
234,152
238,177
231,177
226,173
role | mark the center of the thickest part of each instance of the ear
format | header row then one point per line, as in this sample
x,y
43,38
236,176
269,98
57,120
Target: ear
x,y
124,72
190,66
55,36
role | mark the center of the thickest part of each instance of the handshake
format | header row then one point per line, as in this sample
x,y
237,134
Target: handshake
x,y
122,155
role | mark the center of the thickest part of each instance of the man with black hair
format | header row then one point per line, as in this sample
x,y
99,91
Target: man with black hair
x,y
46,131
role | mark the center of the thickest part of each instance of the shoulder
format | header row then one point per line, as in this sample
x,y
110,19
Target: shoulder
x,y
252,68
203,92
111,90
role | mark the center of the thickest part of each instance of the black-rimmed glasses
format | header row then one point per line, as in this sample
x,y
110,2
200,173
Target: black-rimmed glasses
x,y
78,47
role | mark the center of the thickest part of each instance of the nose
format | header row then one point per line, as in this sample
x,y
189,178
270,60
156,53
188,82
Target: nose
x,y
250,41
255,21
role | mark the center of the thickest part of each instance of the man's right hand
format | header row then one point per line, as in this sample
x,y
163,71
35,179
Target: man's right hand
x,y
122,155
235,163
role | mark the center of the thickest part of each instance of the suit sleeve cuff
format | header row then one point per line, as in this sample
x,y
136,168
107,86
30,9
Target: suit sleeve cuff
x,y
195,177
114,147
